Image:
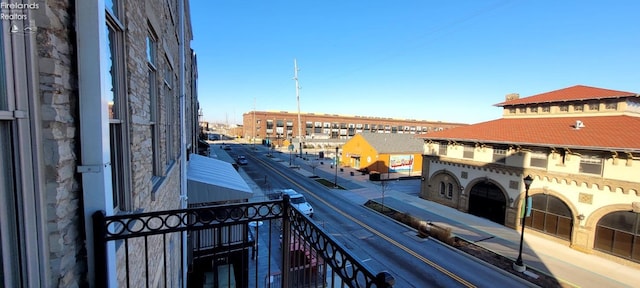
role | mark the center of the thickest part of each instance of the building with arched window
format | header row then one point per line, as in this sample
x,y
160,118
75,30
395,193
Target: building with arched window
x,y
580,146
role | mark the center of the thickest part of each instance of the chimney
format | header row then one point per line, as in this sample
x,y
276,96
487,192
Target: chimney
x,y
512,96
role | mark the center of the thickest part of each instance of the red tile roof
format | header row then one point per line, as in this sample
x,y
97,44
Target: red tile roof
x,y
600,132
574,93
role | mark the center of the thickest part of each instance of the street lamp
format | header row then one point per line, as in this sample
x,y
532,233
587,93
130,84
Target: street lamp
x,y
518,265
335,180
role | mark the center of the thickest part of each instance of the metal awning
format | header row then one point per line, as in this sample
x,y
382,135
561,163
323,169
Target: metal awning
x,y
211,180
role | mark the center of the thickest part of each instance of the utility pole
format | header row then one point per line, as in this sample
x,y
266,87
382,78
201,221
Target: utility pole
x,y
295,77
253,139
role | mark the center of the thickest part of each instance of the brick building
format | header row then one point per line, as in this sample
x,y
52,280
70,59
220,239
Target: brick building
x,y
90,112
275,127
578,144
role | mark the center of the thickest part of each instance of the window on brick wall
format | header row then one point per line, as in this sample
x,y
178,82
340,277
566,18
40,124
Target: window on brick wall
x,y
117,107
169,100
154,106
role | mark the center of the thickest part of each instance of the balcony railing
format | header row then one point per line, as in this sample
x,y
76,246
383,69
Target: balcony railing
x,y
237,245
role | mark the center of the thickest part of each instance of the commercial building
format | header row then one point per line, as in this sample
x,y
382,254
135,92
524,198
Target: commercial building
x,y
400,154
92,119
275,127
581,147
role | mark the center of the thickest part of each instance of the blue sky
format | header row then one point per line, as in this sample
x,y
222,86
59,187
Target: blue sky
x,y
427,60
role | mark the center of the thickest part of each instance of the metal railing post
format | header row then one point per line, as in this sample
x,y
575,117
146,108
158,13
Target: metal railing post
x,y
286,240
100,249
384,279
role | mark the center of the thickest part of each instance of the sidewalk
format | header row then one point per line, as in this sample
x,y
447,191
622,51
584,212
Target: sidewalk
x,y
539,254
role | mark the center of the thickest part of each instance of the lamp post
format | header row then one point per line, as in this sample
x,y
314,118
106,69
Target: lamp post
x,y
335,180
518,265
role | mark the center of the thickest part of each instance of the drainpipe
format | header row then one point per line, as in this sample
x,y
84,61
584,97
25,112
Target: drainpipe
x,y
94,134
183,134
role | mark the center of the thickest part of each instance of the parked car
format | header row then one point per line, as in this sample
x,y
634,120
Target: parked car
x,y
226,147
298,201
241,160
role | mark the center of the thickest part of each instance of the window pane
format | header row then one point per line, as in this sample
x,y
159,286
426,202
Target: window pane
x,y
556,206
112,5
564,228
3,93
623,221
636,248
10,239
551,224
151,50
604,239
622,244
538,162
538,220
539,202
116,168
111,75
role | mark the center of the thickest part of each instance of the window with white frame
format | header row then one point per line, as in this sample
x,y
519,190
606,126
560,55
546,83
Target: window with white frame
x,y
169,99
10,190
154,105
117,106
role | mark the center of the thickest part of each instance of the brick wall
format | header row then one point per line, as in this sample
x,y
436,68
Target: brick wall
x,y
58,99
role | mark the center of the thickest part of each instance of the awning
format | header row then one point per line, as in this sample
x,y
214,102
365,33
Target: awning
x,y
211,180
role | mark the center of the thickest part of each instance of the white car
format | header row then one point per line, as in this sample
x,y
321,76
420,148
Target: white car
x,y
298,201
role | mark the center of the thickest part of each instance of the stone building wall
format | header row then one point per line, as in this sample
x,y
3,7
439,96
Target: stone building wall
x,y
163,192
58,99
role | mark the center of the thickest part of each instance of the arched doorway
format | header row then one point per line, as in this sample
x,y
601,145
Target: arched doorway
x,y
618,233
550,215
486,200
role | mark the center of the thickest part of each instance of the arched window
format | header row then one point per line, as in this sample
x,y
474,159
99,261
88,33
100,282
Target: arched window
x,y
442,188
450,191
551,216
618,233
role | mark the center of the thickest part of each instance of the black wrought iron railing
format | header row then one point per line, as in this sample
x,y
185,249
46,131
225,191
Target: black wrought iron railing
x,y
258,244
